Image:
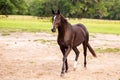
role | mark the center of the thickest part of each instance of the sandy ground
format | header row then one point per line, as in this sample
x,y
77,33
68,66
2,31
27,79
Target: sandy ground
x,y
36,56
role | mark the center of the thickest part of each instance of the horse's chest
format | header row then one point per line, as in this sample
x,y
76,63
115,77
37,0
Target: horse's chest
x,y
65,40
61,42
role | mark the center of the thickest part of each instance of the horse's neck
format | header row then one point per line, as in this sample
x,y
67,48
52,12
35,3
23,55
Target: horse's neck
x,y
63,29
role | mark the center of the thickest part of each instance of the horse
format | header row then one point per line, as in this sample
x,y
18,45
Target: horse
x,y
69,37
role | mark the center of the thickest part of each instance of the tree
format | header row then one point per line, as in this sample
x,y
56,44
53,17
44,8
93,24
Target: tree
x,y
113,8
6,7
13,7
35,8
90,8
21,6
108,9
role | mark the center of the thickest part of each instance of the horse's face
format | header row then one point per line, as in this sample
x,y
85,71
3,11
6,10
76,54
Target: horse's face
x,y
56,20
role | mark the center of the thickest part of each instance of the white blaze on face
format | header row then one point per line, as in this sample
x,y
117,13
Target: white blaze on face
x,y
54,17
54,20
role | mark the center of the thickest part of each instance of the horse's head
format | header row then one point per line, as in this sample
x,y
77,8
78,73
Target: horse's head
x,y
56,20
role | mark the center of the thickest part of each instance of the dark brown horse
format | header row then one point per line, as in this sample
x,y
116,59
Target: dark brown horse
x,y
69,37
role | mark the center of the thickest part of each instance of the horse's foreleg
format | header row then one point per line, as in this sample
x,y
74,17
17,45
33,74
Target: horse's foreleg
x,y
85,53
63,52
67,51
66,64
76,58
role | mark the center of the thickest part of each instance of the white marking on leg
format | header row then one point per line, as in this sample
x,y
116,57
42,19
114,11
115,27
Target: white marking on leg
x,y
75,64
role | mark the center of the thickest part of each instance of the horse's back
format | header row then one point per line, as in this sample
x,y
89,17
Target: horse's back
x,y
81,34
79,27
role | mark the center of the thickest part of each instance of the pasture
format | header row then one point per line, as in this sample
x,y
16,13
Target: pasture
x,y
29,51
35,24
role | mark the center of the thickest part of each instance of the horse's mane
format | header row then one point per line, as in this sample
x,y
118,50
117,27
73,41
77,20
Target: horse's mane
x,y
63,19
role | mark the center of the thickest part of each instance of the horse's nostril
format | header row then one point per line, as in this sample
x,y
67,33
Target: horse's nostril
x,y
53,30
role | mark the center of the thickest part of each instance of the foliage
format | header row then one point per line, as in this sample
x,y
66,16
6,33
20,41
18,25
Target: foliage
x,y
113,7
100,9
13,7
77,8
6,7
21,6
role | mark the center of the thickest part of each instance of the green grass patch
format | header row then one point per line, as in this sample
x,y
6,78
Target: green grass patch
x,y
103,28
34,24
29,26
107,50
99,26
43,41
5,34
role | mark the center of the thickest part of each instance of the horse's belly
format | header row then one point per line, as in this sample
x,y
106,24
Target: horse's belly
x,y
78,40
77,43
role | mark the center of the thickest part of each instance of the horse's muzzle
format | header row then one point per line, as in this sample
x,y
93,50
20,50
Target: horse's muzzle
x,y
53,30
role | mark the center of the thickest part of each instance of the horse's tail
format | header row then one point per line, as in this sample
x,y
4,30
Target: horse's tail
x,y
91,50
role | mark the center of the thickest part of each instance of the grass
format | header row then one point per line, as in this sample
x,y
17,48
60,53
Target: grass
x,y
107,50
43,41
104,28
19,25
100,26
33,24
5,34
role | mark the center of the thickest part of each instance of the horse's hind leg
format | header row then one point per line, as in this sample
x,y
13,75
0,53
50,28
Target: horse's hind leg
x,y
76,58
85,53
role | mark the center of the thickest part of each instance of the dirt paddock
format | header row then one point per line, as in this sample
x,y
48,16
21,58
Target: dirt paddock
x,y
36,56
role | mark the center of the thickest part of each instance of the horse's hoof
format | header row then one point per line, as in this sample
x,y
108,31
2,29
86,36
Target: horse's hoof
x,y
62,75
85,68
66,71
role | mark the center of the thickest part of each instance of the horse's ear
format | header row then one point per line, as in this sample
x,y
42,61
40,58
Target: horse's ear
x,y
53,11
58,12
